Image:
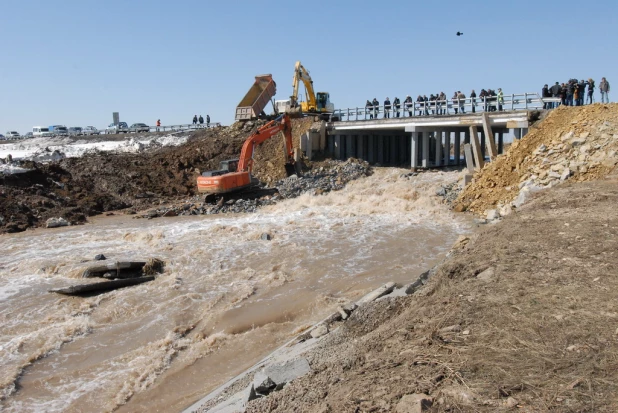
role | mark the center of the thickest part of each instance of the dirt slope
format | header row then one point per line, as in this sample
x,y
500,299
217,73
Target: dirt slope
x,y
575,143
521,318
75,188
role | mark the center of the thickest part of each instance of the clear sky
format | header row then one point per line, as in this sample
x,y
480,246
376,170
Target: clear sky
x,y
74,62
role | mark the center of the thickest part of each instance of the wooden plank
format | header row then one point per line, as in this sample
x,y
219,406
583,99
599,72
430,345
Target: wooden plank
x,y
476,148
489,136
469,158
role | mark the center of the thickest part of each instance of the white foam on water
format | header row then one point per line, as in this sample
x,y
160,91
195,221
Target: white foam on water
x,y
112,346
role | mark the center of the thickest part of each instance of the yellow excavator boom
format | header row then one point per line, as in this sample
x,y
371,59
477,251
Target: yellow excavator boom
x,y
302,75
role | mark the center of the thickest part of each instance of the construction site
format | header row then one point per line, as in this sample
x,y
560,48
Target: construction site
x,y
310,262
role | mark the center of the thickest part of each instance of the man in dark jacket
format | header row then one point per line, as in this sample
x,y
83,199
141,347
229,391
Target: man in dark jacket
x,y
569,93
397,105
376,107
581,92
473,100
369,109
195,119
387,108
545,94
590,91
555,93
421,104
201,120
208,121
407,104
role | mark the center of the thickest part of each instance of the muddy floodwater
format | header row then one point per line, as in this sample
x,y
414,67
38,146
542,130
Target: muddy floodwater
x,y
226,299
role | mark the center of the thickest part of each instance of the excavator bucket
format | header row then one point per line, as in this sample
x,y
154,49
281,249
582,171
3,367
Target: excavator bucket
x,y
290,169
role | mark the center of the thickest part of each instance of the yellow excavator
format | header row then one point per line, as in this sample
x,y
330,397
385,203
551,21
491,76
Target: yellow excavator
x,y
316,103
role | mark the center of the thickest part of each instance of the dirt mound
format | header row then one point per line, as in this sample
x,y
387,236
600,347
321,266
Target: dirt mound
x,y
575,143
519,318
270,156
75,188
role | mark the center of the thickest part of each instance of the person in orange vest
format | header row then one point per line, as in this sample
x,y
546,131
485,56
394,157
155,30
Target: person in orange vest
x,y
158,124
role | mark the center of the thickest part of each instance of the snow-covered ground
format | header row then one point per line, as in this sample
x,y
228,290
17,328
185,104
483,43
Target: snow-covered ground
x,y
52,149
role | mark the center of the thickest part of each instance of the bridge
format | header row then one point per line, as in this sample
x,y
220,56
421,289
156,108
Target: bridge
x,y
421,137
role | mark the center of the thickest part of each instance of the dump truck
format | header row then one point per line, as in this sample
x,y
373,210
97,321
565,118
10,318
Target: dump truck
x,y
253,104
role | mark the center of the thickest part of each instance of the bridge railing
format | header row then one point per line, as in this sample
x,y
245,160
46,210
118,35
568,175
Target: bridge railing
x,y
516,101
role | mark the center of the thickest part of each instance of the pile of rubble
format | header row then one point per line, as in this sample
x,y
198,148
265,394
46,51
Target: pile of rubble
x,y
331,176
572,143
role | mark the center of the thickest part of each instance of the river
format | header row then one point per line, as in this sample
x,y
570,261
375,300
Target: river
x,y
226,299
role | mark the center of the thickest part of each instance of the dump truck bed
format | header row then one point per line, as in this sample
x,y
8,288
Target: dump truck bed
x,y
256,99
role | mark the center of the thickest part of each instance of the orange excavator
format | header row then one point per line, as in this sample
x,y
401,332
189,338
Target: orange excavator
x,y
234,175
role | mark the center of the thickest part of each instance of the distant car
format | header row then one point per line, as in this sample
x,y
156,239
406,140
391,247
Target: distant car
x,y
28,135
41,132
139,127
90,130
12,135
120,127
75,131
2,138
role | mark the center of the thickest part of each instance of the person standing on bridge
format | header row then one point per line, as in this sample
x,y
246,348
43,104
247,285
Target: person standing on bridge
x,y
473,100
421,103
407,104
158,124
590,91
461,98
545,94
443,102
455,105
604,89
376,107
397,105
201,120
500,99
195,119
387,108
369,109
555,92
581,92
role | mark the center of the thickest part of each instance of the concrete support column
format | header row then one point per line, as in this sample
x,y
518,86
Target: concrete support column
x,y
414,150
348,146
500,142
457,143
476,148
425,149
438,138
394,158
381,144
337,147
371,155
361,152
447,147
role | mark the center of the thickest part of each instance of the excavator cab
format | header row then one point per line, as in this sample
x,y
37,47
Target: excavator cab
x,y
322,100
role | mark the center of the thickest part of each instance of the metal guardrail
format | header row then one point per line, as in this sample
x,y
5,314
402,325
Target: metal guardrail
x,y
522,101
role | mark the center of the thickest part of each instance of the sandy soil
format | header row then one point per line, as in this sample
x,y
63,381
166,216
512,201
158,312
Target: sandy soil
x,y
522,317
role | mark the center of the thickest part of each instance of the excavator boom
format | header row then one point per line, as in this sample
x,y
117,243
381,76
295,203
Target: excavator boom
x,y
216,183
302,75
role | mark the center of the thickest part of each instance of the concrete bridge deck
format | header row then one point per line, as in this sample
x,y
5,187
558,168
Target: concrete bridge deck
x,y
423,141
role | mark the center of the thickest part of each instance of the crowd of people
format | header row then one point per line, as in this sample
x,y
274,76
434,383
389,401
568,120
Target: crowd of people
x,y
437,104
571,93
575,93
200,120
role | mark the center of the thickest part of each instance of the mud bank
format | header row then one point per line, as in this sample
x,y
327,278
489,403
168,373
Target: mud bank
x,y
519,317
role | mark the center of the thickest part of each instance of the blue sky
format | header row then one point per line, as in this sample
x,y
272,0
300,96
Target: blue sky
x,y
74,62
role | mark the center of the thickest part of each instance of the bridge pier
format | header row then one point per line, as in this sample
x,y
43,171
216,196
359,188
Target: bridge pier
x,y
457,148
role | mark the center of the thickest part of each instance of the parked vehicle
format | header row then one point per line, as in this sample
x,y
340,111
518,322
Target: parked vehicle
x,y
59,130
41,131
75,131
139,127
28,135
120,127
90,130
12,135
2,138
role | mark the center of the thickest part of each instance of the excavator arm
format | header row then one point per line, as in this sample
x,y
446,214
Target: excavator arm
x,y
281,124
302,75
